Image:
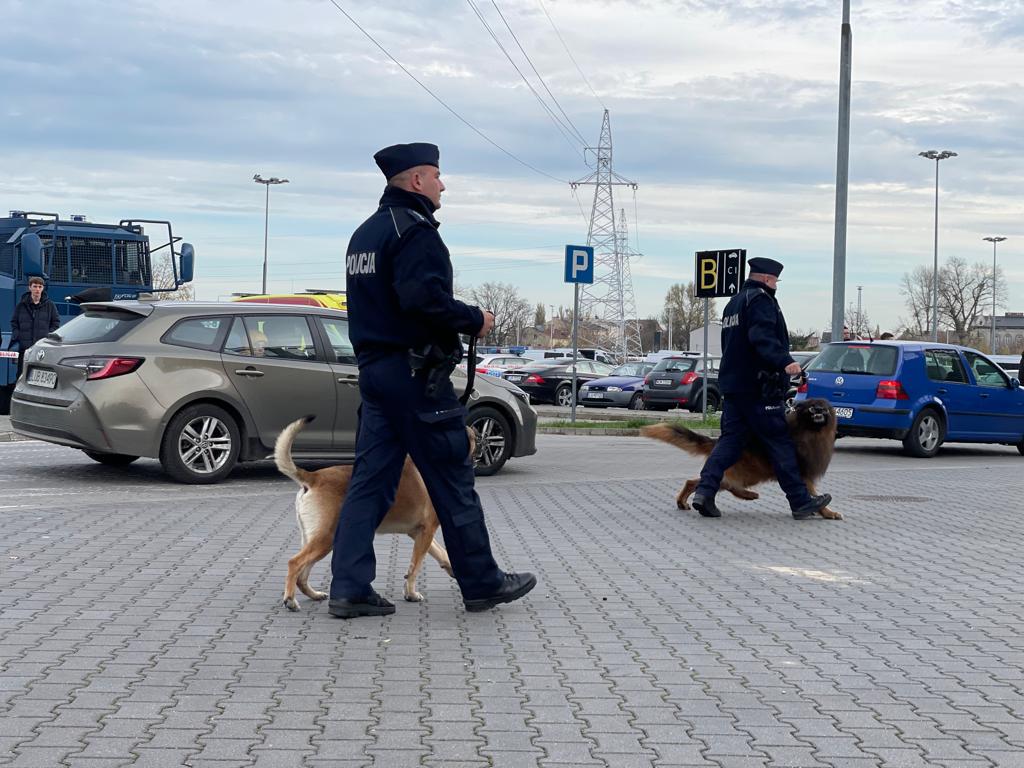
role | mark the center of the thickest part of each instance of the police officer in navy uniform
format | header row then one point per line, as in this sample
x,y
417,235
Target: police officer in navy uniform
x,y
753,378
405,323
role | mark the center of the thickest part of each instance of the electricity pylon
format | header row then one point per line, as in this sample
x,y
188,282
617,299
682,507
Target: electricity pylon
x,y
609,299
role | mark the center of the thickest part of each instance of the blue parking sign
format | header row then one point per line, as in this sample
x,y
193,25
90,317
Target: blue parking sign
x,y
579,264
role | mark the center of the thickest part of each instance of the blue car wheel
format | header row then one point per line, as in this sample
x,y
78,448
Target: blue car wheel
x,y
925,435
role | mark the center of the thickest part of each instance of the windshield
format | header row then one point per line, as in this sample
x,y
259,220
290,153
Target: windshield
x,y
676,365
869,359
632,369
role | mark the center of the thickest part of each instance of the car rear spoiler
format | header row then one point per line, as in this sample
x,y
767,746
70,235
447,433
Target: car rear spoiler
x,y
136,308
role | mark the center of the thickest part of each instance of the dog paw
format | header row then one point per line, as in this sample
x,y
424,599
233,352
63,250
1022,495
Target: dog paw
x,y
318,596
831,514
682,504
291,604
448,569
413,597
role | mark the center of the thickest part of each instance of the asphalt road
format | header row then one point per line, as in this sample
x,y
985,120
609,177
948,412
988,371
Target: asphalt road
x,y
140,622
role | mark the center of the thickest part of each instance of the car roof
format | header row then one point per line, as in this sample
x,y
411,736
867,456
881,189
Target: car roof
x,y
184,308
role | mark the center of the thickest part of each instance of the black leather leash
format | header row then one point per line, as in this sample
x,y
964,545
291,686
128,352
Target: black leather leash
x,y
470,370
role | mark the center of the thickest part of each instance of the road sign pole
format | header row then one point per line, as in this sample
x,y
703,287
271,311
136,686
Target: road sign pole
x,y
704,389
575,343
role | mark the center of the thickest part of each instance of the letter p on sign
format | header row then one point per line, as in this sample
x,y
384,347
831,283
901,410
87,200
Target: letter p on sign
x,y
579,264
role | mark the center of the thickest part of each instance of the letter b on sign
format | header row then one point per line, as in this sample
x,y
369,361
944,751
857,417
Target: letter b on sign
x,y
579,264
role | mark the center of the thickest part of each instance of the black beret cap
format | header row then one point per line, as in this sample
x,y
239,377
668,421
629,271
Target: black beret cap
x,y
764,266
401,157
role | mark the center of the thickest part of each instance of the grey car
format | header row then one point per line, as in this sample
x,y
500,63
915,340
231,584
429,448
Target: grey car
x,y
202,387
679,381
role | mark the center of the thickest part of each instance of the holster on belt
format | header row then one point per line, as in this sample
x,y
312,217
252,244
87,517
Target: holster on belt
x,y
774,385
435,365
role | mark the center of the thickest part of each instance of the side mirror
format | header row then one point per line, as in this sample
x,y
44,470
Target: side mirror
x,y
32,255
1014,383
187,264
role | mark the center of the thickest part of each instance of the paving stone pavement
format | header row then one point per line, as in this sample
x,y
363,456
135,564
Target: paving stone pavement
x,y
143,627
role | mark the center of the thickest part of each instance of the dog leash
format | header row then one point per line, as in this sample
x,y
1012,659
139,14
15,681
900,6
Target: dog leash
x,y
470,370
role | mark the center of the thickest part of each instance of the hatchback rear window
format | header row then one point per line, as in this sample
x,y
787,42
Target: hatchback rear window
x,y
676,365
867,359
92,327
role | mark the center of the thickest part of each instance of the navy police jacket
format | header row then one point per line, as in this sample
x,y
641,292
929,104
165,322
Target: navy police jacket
x,y
754,339
399,282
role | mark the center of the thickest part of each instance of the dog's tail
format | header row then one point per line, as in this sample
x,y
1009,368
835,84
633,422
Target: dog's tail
x,y
680,437
283,451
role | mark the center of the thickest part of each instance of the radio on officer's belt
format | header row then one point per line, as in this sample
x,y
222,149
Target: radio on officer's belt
x,y
438,365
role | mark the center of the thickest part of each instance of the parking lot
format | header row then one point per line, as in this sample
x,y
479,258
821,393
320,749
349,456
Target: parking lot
x,y
141,622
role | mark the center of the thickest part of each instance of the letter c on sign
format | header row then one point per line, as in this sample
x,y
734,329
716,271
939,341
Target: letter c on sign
x,y
580,262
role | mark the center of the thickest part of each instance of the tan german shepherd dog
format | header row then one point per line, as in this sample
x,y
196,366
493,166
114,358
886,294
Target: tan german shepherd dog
x,y
812,426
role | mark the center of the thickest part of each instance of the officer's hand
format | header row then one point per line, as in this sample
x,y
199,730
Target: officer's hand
x,y
792,369
488,324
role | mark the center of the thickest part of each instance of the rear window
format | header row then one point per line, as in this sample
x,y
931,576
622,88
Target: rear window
x,y
676,365
869,359
92,326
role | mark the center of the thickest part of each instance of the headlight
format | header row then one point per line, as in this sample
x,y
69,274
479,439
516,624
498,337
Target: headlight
x,y
614,389
584,388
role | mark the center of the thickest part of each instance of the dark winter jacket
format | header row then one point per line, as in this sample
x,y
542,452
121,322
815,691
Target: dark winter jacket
x,y
755,341
31,322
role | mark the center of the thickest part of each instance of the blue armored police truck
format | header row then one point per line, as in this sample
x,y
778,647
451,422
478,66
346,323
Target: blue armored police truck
x,y
79,260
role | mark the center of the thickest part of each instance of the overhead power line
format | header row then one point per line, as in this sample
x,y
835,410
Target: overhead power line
x,y
571,57
441,101
538,74
562,127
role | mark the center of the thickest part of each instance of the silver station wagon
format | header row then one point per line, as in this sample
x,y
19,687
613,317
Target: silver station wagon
x,y
202,387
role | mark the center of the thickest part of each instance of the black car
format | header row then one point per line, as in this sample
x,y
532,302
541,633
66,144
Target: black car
x,y
679,381
550,381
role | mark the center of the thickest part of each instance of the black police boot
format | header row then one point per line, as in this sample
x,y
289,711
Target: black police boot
x,y
512,588
705,505
812,507
371,605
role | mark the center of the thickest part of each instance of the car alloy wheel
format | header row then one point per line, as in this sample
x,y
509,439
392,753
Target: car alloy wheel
x,y
493,440
201,445
563,396
637,403
925,435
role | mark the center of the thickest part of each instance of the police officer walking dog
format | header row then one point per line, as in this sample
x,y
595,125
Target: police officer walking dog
x,y
754,376
404,323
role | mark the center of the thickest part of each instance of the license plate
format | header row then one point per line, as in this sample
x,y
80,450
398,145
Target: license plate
x,y
844,413
595,395
663,381
513,378
40,377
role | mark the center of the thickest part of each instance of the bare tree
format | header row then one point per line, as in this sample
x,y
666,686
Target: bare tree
x,y
858,323
163,277
964,294
511,311
684,312
539,315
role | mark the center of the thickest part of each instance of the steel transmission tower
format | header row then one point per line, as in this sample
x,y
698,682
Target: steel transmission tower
x,y
610,297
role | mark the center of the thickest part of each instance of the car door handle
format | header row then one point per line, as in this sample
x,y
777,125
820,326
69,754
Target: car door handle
x,y
984,396
252,373
348,379
941,390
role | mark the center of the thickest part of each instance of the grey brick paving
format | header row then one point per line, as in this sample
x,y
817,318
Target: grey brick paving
x,y
146,631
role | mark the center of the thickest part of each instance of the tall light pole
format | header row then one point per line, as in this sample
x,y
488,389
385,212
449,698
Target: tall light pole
x,y
842,175
992,340
266,218
931,154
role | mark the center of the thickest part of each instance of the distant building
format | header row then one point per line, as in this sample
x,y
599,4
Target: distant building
x,y
1009,332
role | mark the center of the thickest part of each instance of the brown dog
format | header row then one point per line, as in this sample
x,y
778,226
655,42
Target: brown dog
x,y
812,425
318,504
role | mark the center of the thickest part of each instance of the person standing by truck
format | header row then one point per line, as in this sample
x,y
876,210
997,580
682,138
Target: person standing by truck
x,y
34,317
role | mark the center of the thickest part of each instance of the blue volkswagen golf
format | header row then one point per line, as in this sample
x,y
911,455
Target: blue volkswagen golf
x,y
922,393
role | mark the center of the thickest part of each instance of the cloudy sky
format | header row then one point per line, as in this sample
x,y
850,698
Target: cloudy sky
x,y
724,112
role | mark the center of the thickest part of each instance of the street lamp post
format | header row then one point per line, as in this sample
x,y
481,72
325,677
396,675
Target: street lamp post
x,y
266,218
992,339
931,154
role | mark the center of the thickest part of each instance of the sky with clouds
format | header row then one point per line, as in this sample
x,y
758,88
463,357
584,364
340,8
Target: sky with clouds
x,y
724,112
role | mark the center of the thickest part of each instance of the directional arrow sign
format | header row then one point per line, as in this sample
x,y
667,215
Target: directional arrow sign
x,y
719,273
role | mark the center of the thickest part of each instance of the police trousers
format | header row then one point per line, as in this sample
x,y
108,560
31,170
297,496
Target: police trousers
x,y
396,419
745,419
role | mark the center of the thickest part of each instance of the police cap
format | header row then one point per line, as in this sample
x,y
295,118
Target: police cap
x,y
401,157
764,266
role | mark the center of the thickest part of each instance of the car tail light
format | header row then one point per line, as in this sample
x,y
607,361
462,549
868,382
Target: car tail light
x,y
104,367
533,378
891,390
647,379
689,378
481,369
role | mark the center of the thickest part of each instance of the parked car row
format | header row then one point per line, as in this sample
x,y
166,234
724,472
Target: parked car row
x,y
205,386
922,393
